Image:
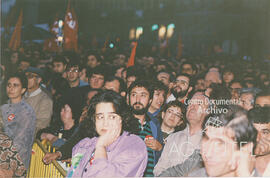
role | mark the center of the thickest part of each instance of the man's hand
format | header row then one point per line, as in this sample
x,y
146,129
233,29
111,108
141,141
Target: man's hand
x,y
153,144
243,161
67,161
262,147
47,136
49,157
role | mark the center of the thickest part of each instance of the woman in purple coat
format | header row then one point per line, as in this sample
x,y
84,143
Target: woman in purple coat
x,y
115,151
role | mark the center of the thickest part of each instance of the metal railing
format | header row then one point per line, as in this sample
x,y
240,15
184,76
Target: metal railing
x,y
37,168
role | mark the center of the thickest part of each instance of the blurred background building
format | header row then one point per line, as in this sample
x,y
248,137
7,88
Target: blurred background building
x,y
237,26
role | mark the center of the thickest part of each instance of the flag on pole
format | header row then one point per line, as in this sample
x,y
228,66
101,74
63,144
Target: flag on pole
x,y
70,29
131,60
10,18
105,44
15,40
51,44
179,47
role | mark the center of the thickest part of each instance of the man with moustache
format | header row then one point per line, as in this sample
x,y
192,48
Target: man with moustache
x,y
140,95
181,145
260,118
181,88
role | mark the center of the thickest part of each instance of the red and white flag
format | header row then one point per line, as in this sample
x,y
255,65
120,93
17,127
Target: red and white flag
x,y
70,29
51,44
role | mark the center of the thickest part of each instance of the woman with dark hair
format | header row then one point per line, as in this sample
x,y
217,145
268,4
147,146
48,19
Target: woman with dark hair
x,y
59,87
58,134
114,151
228,76
17,118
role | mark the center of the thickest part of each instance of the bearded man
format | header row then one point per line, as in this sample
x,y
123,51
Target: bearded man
x,y
140,96
181,88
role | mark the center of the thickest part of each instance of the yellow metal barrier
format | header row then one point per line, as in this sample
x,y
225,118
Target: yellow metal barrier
x,y
38,169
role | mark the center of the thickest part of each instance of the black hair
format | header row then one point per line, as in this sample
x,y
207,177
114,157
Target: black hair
x,y
184,74
129,123
158,85
193,66
183,108
171,76
259,115
121,82
25,59
229,69
94,53
136,71
219,92
236,119
191,80
60,58
265,92
74,63
60,85
142,83
21,76
99,70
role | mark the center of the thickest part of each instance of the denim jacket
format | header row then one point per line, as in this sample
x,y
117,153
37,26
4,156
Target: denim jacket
x,y
19,122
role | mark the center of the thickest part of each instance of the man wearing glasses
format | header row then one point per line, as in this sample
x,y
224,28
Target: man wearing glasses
x,y
181,88
38,99
172,118
73,75
181,145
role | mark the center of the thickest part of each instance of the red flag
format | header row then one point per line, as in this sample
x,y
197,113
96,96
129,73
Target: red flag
x,y
51,44
105,44
179,47
10,18
132,55
15,40
70,30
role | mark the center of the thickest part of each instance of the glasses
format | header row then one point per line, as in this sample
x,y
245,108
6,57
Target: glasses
x,y
73,70
30,75
111,116
177,115
181,82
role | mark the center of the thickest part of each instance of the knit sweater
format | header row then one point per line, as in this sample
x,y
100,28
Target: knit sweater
x,y
43,107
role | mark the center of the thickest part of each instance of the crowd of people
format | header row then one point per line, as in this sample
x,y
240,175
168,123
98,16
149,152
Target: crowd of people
x,y
163,116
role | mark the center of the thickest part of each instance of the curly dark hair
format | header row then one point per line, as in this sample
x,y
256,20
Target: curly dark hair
x,y
180,105
21,76
129,123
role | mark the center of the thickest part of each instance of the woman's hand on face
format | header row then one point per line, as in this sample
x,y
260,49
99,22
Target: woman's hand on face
x,y
111,135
